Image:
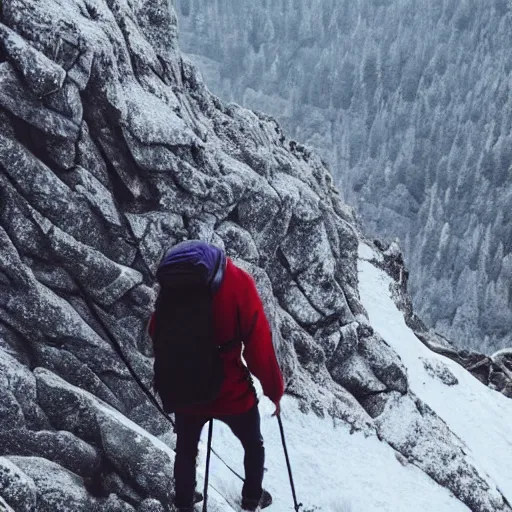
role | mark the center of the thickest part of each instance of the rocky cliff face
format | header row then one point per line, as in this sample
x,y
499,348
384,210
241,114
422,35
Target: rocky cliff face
x,y
408,102
112,149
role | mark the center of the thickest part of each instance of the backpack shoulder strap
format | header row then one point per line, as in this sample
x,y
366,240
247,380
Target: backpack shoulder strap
x,y
237,340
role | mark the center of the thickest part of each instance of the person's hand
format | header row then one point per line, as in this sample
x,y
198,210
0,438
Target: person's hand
x,y
278,409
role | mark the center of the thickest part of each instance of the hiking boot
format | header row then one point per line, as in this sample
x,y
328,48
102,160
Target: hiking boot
x,y
175,508
198,497
264,502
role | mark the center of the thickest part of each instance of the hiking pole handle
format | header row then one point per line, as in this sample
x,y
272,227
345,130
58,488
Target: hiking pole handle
x,y
297,505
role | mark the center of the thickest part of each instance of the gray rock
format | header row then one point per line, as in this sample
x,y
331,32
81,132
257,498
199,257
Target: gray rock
x,y
65,408
61,447
7,124
118,158
115,504
153,122
357,377
62,153
15,97
203,228
354,304
159,25
58,490
144,463
258,209
144,415
150,506
77,61
308,353
313,236
159,158
51,276
42,75
384,362
68,451
440,371
10,411
348,342
324,292
5,506
21,232
19,401
106,280
139,457
18,489
113,483
70,368
13,344
375,404
89,156
86,184
238,243
297,304
174,200
299,196
67,102
156,232
329,337
48,194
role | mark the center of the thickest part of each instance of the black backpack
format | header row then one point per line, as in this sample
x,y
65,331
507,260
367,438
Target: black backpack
x,y
188,365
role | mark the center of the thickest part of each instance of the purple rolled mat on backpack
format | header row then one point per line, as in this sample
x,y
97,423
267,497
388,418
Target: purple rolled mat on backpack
x,y
184,258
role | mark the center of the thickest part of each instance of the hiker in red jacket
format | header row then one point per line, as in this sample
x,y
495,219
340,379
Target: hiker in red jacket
x,y
237,314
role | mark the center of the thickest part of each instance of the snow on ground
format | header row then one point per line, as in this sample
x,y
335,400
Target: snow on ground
x,y
481,417
334,471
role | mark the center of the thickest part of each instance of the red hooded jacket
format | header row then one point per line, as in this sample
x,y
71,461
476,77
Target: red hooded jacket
x,y
238,292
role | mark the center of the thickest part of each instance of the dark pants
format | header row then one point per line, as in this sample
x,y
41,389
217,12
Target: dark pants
x,y
246,428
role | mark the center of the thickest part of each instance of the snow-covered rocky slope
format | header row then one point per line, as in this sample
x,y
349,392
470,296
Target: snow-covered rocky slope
x,y
111,149
409,102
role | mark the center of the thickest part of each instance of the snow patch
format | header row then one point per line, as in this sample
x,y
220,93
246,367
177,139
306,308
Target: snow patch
x,y
366,252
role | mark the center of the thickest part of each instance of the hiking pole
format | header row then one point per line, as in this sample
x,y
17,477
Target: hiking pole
x,y
207,474
297,505
117,347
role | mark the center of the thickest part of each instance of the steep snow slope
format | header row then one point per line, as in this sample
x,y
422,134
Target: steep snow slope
x,y
334,471
112,149
480,417
410,102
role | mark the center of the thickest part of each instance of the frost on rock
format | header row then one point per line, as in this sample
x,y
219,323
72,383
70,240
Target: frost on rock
x,y
112,149
410,434
58,490
149,468
18,490
4,506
